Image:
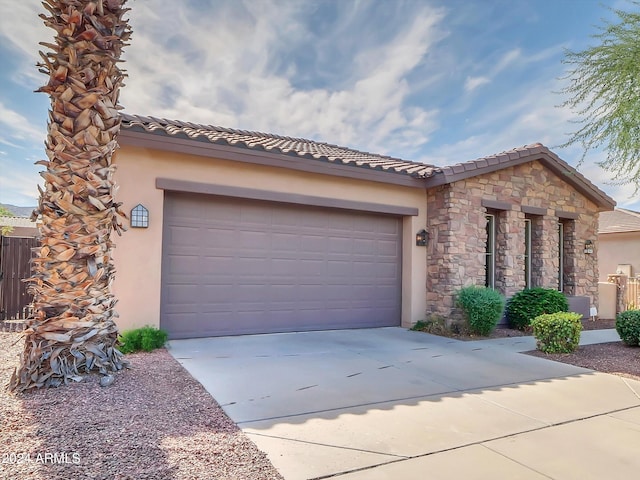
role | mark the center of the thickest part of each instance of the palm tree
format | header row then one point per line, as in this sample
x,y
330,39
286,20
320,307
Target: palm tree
x,y
72,330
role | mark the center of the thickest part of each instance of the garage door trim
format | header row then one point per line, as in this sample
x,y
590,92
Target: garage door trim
x,y
173,185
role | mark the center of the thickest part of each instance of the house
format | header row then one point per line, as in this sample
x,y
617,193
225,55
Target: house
x,y
238,232
19,227
619,261
619,234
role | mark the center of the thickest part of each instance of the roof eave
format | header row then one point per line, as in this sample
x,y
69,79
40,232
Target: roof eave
x,y
554,163
138,136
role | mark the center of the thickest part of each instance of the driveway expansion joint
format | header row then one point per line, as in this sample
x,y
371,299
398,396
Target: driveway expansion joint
x,y
516,461
341,447
470,444
630,387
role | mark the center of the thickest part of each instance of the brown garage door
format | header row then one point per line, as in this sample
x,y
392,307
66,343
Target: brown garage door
x,y
233,266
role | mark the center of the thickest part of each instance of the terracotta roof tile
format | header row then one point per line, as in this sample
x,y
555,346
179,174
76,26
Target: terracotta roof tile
x,y
618,221
280,144
346,156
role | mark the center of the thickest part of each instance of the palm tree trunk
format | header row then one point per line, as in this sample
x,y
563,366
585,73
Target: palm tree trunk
x,y
72,330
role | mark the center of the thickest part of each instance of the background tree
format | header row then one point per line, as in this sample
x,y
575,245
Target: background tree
x,y
5,229
604,89
72,330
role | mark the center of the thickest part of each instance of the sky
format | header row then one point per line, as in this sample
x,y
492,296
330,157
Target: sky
x,y
436,81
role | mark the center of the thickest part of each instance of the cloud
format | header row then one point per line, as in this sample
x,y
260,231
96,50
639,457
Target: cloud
x,y
22,30
508,122
18,126
229,69
507,59
471,83
18,185
533,117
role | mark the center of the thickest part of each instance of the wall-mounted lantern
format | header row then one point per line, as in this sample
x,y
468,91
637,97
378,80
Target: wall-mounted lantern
x,y
422,237
139,217
588,247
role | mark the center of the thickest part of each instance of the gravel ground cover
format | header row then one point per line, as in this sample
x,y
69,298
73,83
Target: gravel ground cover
x,y
154,422
157,422
614,357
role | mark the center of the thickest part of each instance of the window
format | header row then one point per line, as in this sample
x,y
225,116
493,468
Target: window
x,y
527,253
490,256
139,217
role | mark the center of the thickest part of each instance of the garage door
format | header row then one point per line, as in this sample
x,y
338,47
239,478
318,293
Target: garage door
x,y
234,266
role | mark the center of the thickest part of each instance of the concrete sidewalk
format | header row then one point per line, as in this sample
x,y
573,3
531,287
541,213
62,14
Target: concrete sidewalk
x,y
389,403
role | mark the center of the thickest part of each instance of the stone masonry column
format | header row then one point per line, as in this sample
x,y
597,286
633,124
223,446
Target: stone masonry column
x,y
510,250
550,252
570,268
586,265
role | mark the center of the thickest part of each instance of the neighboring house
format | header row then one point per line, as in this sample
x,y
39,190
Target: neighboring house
x,y
255,233
20,226
619,252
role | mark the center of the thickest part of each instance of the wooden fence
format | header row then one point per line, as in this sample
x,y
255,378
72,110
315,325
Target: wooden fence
x,y
15,265
632,294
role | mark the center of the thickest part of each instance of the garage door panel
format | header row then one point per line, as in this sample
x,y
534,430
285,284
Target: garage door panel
x,y
285,242
181,294
218,237
258,267
183,264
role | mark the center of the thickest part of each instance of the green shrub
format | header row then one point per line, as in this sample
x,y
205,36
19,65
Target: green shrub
x,y
528,304
482,307
628,327
557,332
145,338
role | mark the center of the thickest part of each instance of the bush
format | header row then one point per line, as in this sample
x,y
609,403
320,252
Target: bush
x,y
557,332
628,327
145,338
528,304
482,307
435,325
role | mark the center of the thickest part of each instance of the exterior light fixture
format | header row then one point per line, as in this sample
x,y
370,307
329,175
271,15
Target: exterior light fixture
x,y
139,217
588,247
422,237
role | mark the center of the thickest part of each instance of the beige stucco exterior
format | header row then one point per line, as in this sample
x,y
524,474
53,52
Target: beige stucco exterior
x,y
138,252
618,249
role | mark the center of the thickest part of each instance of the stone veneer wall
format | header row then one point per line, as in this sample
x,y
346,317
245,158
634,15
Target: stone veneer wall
x,y
457,228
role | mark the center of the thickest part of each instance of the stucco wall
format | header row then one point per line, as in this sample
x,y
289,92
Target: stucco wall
x,y
456,256
618,248
138,252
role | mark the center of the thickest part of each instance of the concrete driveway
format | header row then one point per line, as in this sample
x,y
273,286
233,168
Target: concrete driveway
x,y
388,403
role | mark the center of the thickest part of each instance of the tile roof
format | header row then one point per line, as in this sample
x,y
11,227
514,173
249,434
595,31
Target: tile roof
x,y
618,221
279,144
432,174
517,156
